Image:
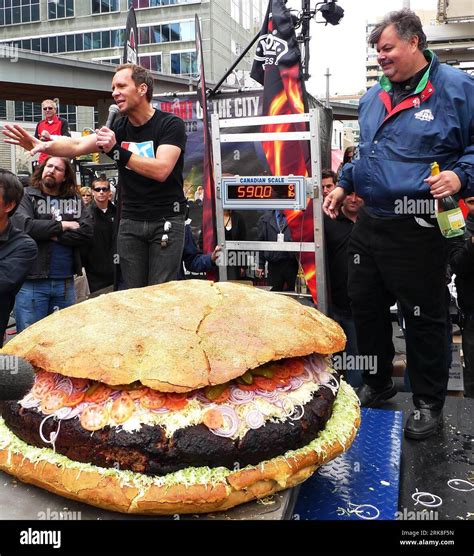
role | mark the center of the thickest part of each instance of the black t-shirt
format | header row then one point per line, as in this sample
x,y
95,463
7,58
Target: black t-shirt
x,y
144,198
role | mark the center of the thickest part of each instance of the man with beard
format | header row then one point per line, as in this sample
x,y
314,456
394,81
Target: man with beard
x,y
53,214
99,256
148,147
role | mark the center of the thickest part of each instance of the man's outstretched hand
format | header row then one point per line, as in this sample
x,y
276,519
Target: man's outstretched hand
x,y
333,202
16,135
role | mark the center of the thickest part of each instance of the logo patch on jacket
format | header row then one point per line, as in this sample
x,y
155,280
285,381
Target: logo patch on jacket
x,y
144,149
424,115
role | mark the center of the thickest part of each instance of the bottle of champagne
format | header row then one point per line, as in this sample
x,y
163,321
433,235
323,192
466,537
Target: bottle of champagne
x,y
449,215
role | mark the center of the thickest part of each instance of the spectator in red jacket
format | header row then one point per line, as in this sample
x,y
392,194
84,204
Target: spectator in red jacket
x,y
50,126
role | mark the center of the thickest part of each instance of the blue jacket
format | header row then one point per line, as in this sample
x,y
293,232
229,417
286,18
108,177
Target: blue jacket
x,y
397,147
194,260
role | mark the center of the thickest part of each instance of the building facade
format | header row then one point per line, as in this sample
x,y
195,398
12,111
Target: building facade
x,y
94,30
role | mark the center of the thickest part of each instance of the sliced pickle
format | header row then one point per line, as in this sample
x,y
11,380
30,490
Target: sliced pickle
x,y
263,371
213,392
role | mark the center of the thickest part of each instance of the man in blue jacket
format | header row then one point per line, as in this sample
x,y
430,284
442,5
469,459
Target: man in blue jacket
x,y
17,250
421,112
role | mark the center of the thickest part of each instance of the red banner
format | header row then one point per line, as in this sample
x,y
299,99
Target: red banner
x,y
209,238
277,66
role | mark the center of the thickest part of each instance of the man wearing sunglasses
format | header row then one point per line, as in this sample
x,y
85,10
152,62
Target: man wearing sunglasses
x,y
99,258
50,126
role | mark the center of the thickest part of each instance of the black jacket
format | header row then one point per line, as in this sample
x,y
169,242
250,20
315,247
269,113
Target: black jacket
x,y
268,230
98,255
34,217
17,255
461,260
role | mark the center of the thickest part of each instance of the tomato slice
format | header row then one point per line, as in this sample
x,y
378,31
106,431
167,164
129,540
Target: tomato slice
x,y
44,383
213,419
75,398
122,408
282,373
53,400
79,383
247,387
94,417
295,367
153,399
98,393
176,401
223,397
137,393
267,384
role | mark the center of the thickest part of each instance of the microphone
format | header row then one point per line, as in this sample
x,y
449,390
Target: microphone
x,y
17,377
113,111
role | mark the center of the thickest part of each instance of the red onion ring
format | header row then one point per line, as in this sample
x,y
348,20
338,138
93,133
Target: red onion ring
x,y
29,401
160,410
272,395
254,419
65,385
296,382
63,413
239,396
75,411
231,421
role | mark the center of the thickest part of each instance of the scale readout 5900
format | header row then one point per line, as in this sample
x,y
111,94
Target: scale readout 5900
x,y
263,192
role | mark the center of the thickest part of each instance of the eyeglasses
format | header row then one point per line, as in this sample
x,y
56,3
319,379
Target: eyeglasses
x,y
101,189
48,107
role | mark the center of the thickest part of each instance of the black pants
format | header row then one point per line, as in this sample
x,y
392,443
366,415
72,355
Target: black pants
x,y
468,351
397,259
282,275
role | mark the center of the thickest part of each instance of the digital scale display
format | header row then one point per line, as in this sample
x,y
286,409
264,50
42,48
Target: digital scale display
x,y
263,192
274,191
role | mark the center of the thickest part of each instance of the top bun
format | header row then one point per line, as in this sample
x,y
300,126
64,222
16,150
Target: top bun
x,y
175,337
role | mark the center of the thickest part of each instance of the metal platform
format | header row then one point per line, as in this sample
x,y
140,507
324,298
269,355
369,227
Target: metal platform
x,y
362,483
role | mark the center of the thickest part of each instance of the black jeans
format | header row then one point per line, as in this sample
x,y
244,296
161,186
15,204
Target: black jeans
x,y
143,260
397,259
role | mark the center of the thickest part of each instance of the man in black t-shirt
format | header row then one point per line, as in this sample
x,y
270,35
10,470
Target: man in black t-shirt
x,y
148,146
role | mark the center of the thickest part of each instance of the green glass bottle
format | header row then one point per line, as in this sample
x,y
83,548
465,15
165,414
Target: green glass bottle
x,y
449,215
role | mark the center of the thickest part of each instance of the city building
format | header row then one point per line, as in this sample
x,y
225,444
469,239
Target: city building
x,y
94,30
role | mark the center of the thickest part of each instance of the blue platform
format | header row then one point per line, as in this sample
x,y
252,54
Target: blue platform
x,y
362,483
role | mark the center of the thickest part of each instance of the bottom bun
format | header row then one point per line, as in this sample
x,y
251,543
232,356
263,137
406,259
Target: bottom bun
x,y
191,490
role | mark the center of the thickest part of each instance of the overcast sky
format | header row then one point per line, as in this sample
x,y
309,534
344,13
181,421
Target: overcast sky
x,y
342,47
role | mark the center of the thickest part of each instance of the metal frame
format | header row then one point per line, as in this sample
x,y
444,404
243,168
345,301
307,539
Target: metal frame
x,y
313,189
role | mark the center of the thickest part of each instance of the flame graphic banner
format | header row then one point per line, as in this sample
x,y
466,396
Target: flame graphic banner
x,y
209,238
277,66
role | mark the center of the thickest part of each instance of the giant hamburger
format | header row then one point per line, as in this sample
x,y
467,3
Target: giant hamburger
x,y
180,398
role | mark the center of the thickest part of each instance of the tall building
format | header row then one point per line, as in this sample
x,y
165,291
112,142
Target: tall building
x,y
94,30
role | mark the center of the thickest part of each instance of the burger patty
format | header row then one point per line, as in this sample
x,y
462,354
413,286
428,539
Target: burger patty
x,y
151,452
